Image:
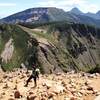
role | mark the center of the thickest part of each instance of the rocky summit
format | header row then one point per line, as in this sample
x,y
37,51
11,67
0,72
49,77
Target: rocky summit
x,y
59,86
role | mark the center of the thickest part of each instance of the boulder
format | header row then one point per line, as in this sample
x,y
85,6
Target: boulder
x,y
64,83
67,98
89,92
5,76
83,92
11,99
44,94
15,88
47,84
3,93
32,97
88,82
51,95
78,94
98,93
42,98
92,76
97,74
95,92
57,89
90,88
17,94
73,98
1,81
5,86
30,93
22,76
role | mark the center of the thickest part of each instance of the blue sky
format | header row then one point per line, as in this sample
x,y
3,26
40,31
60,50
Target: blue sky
x,y
8,7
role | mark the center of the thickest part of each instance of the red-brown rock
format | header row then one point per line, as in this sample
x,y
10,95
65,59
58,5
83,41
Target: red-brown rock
x,y
17,94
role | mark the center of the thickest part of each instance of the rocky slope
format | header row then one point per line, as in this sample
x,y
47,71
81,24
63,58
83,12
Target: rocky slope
x,y
60,86
67,46
54,47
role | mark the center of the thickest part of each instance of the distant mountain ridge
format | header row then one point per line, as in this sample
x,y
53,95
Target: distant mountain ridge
x,y
76,11
50,14
89,14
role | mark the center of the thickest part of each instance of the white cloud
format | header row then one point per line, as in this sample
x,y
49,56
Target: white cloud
x,y
84,5
62,3
7,4
90,8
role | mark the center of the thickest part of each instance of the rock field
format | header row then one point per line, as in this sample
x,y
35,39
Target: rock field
x,y
60,86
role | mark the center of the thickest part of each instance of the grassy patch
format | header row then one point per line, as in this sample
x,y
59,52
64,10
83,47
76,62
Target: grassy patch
x,y
20,42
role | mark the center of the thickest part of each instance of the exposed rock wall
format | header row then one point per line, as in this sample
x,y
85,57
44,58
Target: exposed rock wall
x,y
8,51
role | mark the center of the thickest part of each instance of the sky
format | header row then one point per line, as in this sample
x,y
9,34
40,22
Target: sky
x,y
8,7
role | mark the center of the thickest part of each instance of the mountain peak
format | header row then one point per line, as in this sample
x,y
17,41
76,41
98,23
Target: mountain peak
x,y
76,11
98,13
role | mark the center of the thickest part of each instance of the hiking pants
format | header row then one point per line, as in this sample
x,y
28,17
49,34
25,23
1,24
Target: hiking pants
x,y
31,78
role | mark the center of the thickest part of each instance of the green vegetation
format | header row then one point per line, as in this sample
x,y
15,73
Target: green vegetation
x,y
68,48
20,42
95,69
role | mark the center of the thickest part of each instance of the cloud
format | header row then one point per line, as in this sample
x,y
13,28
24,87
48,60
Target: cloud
x,y
62,3
7,4
90,7
84,5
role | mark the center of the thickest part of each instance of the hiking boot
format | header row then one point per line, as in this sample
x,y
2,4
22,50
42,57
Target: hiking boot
x,y
25,85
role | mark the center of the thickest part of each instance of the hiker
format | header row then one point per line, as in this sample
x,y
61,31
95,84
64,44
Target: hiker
x,y
1,64
34,75
0,61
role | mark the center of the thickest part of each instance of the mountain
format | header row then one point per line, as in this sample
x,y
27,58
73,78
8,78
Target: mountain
x,y
37,15
98,13
84,19
95,16
54,47
92,15
51,14
76,11
89,14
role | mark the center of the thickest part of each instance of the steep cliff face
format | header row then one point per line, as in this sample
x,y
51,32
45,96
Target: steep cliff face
x,y
65,47
80,43
13,46
54,47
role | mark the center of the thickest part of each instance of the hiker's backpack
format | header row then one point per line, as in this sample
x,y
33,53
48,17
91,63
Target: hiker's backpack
x,y
36,72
